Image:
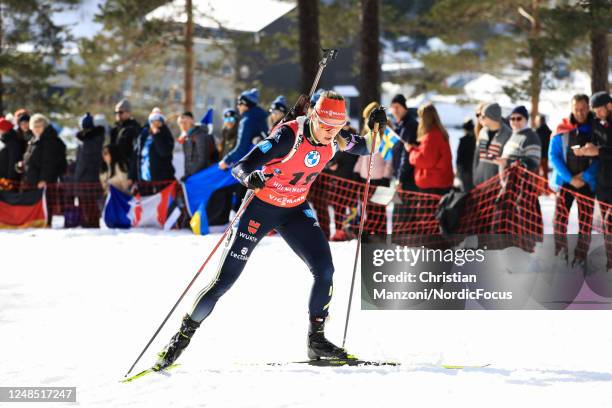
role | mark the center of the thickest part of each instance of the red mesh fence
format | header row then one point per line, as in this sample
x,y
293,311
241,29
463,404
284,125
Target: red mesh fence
x,y
505,205
81,204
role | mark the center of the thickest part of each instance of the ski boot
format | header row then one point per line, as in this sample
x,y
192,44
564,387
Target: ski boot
x,y
319,347
177,344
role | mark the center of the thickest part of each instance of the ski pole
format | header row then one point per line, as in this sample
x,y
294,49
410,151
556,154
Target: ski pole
x,y
303,102
364,205
245,203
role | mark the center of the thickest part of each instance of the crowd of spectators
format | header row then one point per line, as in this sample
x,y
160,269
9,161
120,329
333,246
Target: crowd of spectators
x,y
132,154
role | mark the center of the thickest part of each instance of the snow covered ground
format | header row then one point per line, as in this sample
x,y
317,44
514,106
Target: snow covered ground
x,y
77,306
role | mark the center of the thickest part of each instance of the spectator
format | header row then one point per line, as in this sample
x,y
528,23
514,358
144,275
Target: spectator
x,y
253,124
573,174
382,170
278,110
465,157
100,120
406,129
380,175
343,194
22,120
431,155
126,131
152,157
490,143
44,160
225,197
88,160
89,151
113,172
228,133
543,132
479,115
524,144
602,148
12,147
198,145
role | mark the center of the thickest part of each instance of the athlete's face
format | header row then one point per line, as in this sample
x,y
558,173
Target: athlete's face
x,y
325,132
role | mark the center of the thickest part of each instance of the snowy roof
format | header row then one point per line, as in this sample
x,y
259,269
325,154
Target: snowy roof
x,y
238,15
348,91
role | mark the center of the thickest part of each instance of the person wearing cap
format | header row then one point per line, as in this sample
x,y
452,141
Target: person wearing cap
x,y
125,132
12,147
524,144
278,110
601,147
574,177
88,162
152,156
280,170
490,143
406,128
228,132
22,122
253,125
198,145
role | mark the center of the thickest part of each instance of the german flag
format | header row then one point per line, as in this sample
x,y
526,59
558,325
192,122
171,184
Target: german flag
x,y
23,210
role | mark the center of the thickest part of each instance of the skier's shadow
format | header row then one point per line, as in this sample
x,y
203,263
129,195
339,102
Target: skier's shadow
x,y
535,377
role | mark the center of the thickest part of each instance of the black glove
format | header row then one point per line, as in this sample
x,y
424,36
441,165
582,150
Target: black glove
x,y
379,116
256,180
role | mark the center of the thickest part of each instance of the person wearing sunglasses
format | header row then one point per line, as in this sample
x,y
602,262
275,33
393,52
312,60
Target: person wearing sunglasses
x,y
280,170
125,132
524,145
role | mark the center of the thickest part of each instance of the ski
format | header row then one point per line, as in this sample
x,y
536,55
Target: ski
x,y
461,367
148,371
333,362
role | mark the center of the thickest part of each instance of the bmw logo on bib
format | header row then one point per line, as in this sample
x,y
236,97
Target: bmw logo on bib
x,y
312,158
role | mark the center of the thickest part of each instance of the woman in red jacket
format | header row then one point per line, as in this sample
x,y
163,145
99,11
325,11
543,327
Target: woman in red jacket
x,y
431,157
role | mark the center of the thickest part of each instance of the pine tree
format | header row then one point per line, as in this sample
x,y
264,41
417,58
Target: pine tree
x,y
127,47
310,48
523,34
370,50
30,43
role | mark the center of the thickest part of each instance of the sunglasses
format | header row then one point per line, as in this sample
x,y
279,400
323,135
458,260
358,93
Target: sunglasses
x,y
516,118
326,125
118,112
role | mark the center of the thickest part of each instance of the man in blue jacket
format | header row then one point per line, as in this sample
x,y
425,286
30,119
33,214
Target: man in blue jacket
x,y
574,177
253,124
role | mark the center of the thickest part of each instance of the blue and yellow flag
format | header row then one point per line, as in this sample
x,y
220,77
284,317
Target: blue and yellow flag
x,y
389,139
198,188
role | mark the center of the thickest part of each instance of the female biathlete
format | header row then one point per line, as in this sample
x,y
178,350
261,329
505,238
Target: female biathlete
x,y
292,157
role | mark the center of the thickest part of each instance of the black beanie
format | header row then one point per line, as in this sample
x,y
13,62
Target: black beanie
x,y
401,99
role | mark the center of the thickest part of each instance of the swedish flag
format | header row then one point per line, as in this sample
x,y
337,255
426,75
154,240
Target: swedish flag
x,y
389,139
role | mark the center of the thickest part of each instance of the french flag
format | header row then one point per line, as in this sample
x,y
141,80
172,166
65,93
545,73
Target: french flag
x,y
159,210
